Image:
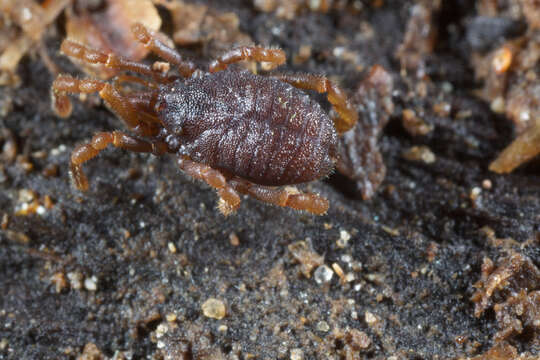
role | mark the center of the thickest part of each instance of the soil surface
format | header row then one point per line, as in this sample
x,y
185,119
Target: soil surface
x,y
124,270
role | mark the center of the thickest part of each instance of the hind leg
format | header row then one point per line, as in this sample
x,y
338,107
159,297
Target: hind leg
x,y
229,200
287,197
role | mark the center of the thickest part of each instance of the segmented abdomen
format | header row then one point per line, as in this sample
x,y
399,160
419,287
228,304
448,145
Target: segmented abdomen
x,y
254,127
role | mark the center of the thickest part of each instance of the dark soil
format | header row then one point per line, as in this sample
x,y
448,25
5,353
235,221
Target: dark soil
x,y
415,248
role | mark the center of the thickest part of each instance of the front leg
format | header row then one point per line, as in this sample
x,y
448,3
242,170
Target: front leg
x,y
275,57
135,109
99,142
186,68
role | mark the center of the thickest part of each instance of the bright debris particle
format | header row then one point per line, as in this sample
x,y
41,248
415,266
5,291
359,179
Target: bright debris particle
x,y
323,274
214,309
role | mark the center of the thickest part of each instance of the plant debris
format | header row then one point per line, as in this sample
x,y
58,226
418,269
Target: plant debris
x,y
109,30
122,273
22,25
512,85
513,290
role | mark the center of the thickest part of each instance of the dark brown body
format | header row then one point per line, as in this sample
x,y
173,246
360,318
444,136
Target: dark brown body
x,y
258,128
240,133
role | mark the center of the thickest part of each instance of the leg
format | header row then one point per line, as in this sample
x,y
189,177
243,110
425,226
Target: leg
x,y
348,116
64,84
99,142
91,56
274,56
120,79
289,197
229,200
186,68
133,109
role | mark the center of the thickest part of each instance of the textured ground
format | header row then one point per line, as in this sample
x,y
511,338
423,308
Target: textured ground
x,y
125,268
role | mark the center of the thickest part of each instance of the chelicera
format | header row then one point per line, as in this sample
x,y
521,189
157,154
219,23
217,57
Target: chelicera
x,y
239,132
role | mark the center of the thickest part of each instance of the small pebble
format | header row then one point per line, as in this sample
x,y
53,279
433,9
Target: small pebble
x,y
234,240
161,330
359,339
323,326
502,60
344,237
5,221
223,328
90,283
370,318
442,109
498,105
475,192
297,354
75,280
59,150
420,153
323,274
26,196
59,281
214,308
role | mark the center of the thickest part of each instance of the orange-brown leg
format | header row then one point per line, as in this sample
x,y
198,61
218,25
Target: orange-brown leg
x,y
288,197
65,84
99,142
186,68
141,103
133,109
229,200
347,115
91,56
275,57
121,79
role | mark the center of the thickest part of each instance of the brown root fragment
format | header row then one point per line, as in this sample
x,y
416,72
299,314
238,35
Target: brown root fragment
x,y
521,150
509,73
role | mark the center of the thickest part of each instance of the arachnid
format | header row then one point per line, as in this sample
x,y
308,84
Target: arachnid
x,y
241,133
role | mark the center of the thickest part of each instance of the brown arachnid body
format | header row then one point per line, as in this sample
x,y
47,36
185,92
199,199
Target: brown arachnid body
x,y
239,132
